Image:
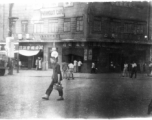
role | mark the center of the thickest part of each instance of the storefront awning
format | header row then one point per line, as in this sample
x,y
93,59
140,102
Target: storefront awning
x,y
28,52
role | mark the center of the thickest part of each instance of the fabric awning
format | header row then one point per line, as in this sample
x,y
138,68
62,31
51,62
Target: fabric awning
x,y
28,52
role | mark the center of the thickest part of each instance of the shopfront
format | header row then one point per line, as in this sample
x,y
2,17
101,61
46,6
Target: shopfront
x,y
28,53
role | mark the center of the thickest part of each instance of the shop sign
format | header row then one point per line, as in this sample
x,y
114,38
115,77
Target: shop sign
x,y
70,44
49,36
77,44
64,44
52,12
32,47
85,54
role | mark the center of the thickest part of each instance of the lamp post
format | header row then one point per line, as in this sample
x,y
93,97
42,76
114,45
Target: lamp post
x,y
11,21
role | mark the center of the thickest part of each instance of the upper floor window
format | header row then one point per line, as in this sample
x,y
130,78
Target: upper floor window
x,y
39,27
24,24
67,25
53,26
79,24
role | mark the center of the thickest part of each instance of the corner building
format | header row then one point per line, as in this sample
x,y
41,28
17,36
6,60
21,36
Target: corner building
x,y
105,33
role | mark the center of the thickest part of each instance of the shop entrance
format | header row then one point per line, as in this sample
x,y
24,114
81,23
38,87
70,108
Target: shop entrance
x,y
28,62
71,54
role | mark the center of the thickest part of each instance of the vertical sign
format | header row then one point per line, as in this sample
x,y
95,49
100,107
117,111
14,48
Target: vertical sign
x,y
85,54
90,54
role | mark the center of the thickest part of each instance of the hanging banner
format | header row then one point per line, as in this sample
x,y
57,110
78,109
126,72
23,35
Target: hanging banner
x,y
85,54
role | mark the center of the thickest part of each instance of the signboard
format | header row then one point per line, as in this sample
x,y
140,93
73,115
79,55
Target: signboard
x,y
52,12
85,54
90,54
49,36
31,47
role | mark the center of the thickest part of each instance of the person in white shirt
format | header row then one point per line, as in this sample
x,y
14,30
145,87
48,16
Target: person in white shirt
x,y
134,70
79,66
70,71
75,66
93,68
125,70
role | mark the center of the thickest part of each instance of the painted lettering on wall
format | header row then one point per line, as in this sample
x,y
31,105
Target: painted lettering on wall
x,y
52,12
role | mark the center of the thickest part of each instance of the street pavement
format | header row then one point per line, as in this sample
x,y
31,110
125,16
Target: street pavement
x,y
87,96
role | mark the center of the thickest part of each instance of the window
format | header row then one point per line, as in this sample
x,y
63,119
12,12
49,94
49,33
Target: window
x,y
53,26
38,27
24,26
67,25
79,24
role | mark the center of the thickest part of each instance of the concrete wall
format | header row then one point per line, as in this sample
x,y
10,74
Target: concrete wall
x,y
4,13
26,12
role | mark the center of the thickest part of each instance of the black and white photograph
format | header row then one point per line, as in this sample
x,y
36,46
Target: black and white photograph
x,y
76,59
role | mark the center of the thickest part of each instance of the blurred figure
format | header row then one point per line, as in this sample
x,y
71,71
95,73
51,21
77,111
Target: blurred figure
x,y
70,71
150,68
64,70
125,70
93,69
38,63
20,64
79,66
75,66
134,70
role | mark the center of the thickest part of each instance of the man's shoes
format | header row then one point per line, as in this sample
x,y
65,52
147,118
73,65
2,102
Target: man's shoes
x,y
46,97
60,99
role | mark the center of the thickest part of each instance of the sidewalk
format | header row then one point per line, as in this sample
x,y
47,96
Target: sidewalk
x,y
48,73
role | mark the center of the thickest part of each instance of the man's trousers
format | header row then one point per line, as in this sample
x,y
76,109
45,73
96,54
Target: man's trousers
x,y
50,88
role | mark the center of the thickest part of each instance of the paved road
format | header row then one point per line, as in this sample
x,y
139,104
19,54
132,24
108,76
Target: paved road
x,y
88,96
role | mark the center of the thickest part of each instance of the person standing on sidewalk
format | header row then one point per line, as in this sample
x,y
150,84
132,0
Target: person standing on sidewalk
x,y
134,70
56,79
79,66
93,69
125,70
70,71
75,66
64,70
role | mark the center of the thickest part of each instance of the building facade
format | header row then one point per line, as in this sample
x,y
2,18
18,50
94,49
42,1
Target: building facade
x,y
107,33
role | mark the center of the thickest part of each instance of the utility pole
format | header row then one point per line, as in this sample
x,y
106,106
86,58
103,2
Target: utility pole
x,y
10,62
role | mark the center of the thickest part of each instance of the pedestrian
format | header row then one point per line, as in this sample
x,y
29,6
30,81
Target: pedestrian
x,y
64,70
125,70
150,67
56,79
93,69
70,71
134,70
36,64
20,64
79,66
75,66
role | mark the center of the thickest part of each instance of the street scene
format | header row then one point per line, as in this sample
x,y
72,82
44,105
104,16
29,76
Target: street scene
x,y
87,96
76,60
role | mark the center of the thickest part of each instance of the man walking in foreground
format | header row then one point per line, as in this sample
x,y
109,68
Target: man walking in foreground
x,y
56,79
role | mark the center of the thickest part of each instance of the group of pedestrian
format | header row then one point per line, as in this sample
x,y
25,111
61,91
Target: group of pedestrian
x,y
130,70
69,69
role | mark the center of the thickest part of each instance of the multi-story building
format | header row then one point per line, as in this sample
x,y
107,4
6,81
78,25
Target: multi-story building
x,y
107,33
